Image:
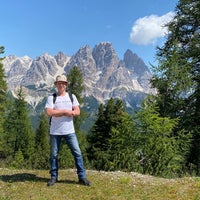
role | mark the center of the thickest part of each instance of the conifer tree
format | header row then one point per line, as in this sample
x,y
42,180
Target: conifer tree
x,y
111,140
41,155
177,76
123,145
20,136
162,153
3,105
75,79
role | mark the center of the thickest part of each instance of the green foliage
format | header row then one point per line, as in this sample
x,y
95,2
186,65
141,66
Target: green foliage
x,y
177,77
172,83
123,145
75,79
112,138
19,134
160,153
3,104
65,159
18,160
41,155
83,145
90,107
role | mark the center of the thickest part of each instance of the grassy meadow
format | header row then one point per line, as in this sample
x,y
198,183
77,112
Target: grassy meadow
x,y
32,185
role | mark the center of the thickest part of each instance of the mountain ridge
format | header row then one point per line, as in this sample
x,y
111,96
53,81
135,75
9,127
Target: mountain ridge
x,y
104,74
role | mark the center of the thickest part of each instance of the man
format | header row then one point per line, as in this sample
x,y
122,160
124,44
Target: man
x,y
62,112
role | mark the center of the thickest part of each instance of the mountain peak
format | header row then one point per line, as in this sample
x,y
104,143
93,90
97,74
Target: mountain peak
x,y
104,75
134,63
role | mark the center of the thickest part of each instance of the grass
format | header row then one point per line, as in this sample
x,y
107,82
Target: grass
x,y
32,185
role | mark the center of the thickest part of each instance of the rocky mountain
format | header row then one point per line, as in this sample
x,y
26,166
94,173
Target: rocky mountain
x,y
104,74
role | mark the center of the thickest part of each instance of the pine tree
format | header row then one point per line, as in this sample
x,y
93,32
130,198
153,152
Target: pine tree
x,y
75,79
3,105
41,155
19,133
161,152
123,145
177,77
111,140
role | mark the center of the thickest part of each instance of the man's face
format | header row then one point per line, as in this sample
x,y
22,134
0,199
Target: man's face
x,y
61,85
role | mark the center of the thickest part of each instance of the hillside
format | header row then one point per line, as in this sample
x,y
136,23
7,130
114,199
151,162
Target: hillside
x,y
31,184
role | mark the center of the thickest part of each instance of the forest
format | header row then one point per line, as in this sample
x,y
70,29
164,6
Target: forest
x,y
162,138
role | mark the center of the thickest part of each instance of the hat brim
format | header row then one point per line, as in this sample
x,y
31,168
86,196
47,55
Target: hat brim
x,y
60,81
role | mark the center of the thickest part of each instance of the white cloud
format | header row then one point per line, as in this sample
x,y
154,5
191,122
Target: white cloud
x,y
146,30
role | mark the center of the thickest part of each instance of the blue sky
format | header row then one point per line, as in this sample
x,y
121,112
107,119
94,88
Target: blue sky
x,y
35,27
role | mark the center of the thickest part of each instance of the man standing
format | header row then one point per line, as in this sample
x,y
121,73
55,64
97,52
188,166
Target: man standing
x,y
62,112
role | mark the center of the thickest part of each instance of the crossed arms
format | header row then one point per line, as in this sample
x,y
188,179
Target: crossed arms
x,y
59,113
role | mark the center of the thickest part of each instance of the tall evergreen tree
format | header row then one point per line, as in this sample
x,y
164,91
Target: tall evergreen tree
x,y
19,133
111,141
162,153
75,79
41,155
3,105
124,145
177,76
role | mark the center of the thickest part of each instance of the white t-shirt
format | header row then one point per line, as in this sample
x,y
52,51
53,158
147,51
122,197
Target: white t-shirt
x,y
61,125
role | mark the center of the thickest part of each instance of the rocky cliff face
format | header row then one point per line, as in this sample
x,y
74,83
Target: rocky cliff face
x,y
104,75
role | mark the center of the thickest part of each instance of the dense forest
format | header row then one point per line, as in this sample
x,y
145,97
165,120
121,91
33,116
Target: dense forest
x,y
162,138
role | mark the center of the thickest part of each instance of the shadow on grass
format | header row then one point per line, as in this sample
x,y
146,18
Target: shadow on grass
x,y
22,177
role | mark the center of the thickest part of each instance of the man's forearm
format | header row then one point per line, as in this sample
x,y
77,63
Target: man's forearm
x,y
57,113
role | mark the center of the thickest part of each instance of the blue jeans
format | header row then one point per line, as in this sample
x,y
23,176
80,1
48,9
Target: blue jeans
x,y
72,142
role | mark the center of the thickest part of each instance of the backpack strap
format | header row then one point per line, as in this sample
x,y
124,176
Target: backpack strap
x,y
54,97
54,100
70,96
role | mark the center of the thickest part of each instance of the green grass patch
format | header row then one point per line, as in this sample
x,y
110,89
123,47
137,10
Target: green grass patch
x,y
32,185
